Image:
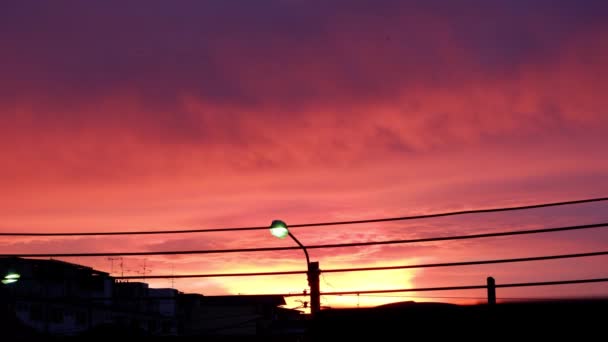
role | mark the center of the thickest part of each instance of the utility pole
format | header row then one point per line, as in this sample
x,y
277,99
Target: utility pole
x,y
491,291
313,282
279,229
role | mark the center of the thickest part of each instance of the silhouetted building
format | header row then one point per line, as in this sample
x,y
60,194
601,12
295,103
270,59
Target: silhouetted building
x,y
57,297
53,297
60,298
242,315
153,311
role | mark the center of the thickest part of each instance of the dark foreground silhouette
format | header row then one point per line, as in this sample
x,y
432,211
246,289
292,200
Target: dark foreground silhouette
x,y
581,320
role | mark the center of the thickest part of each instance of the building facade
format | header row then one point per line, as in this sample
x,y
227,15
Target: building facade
x,y
53,297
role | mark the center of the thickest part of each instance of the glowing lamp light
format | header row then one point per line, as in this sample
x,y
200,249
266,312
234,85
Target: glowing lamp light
x,y
279,229
11,278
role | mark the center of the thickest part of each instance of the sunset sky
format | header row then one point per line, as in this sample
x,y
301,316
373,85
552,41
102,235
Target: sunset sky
x,y
154,115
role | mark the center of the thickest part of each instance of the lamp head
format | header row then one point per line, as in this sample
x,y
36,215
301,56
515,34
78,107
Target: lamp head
x,y
10,277
279,229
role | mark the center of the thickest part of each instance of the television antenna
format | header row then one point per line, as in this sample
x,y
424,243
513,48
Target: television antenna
x,y
112,259
172,278
144,271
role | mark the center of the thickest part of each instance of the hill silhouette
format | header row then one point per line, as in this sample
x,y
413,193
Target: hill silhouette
x,y
580,319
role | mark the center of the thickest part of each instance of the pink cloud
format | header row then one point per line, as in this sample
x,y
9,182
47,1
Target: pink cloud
x,y
361,116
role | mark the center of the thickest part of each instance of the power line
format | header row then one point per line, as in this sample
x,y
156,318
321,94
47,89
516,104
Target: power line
x,y
469,263
379,268
212,275
408,296
363,293
338,245
318,224
366,294
470,297
451,288
560,282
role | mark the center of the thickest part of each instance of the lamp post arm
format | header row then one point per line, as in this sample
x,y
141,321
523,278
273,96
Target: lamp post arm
x,y
303,248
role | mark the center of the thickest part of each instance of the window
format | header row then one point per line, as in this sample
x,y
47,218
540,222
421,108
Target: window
x,y
166,329
152,326
22,307
81,318
56,316
36,312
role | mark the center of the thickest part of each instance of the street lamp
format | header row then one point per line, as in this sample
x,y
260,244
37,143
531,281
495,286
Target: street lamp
x,y
279,229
